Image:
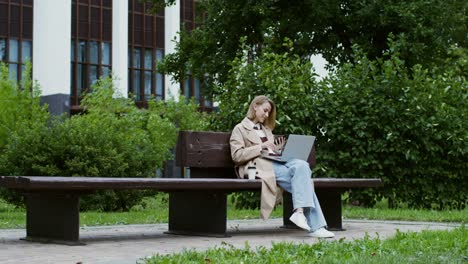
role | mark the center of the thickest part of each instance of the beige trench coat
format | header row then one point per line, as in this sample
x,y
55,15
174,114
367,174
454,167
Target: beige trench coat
x,y
245,151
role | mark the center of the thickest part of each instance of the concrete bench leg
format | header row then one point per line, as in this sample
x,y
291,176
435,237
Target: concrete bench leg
x,y
199,213
52,218
330,201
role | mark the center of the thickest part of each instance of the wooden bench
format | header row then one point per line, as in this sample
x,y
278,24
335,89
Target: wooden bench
x,y
208,155
52,203
197,205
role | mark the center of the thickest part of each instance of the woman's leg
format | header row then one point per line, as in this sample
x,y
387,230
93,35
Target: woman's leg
x,y
315,218
295,177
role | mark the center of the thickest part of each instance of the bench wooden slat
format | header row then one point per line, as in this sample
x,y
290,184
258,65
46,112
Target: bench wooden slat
x,y
203,150
197,149
162,184
96,183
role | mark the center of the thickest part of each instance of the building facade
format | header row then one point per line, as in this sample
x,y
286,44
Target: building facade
x,y
72,43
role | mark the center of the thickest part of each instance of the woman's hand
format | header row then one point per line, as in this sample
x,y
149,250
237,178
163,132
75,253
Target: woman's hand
x,y
268,144
279,144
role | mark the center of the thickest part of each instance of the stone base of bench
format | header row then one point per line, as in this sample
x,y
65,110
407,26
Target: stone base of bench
x,y
53,218
199,213
330,201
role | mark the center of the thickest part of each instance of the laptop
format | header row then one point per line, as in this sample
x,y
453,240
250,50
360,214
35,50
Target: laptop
x,y
297,147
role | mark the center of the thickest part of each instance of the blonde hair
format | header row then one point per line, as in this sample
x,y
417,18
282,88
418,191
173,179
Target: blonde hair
x,y
259,100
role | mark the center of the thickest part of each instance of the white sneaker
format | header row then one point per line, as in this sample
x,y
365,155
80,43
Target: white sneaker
x,y
321,233
300,220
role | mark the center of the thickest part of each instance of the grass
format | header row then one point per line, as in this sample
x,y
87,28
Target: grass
x,y
154,210
424,247
381,212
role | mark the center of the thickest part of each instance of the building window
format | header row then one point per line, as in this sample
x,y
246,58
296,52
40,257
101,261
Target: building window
x,y
91,45
145,49
192,87
16,35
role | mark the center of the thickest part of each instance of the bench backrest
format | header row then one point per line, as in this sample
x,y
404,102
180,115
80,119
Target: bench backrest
x,y
208,154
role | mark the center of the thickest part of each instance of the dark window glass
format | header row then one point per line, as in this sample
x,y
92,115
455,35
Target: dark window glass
x,y
4,20
137,58
148,85
106,53
72,48
81,77
91,55
26,50
192,87
107,25
106,71
148,59
107,3
13,71
27,22
137,83
95,20
93,75
3,50
93,52
15,21
83,21
13,50
82,51
146,44
16,36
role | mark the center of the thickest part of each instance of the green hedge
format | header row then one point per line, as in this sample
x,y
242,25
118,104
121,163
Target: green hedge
x,y
113,138
408,127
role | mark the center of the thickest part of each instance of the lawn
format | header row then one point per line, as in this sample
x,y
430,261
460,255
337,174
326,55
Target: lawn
x,y
424,247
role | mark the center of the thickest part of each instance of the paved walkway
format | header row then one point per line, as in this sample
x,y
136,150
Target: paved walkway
x,y
129,243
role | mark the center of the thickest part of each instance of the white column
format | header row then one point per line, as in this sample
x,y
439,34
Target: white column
x,y
120,46
171,29
51,45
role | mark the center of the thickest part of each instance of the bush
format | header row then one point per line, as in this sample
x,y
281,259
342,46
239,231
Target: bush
x,y
18,106
112,139
408,127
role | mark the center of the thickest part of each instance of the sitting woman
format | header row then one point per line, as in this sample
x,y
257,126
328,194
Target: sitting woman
x,y
248,141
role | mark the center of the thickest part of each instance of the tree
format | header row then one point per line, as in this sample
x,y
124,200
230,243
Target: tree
x,y
423,30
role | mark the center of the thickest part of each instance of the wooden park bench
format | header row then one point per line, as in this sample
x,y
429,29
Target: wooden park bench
x,y
197,205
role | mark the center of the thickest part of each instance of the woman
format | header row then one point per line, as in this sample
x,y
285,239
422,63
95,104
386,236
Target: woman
x,y
252,137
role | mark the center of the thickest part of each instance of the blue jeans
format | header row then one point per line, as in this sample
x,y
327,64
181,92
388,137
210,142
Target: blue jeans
x,y
295,178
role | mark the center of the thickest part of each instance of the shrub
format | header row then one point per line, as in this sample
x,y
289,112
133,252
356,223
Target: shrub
x,y
113,138
18,106
408,127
